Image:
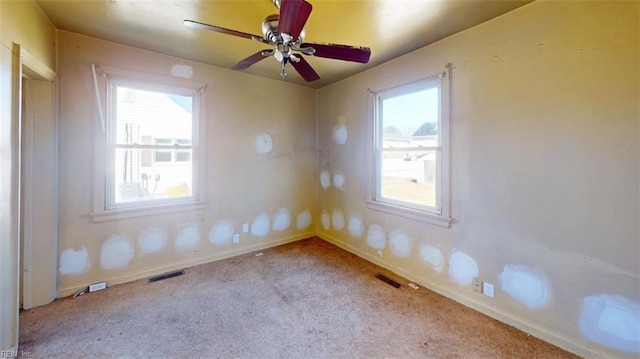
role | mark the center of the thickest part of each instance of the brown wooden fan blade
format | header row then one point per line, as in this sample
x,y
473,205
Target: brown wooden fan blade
x,y
244,64
293,16
222,30
305,70
341,52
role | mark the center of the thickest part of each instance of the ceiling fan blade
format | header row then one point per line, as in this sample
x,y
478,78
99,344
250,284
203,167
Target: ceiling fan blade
x,y
293,16
222,30
341,52
244,64
305,70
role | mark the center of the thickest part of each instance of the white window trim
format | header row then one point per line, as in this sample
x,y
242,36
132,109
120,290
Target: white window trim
x,y
102,210
442,216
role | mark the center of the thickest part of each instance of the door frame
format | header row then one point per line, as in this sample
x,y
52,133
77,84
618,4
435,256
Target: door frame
x,y
25,64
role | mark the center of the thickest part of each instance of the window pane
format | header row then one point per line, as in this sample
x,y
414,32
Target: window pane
x,y
134,182
163,155
183,155
146,158
152,118
153,114
411,120
409,176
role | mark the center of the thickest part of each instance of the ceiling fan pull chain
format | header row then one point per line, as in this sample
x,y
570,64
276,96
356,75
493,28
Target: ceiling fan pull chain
x,y
283,73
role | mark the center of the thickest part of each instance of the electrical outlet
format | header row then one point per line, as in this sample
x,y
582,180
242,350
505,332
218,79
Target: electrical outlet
x,y
487,289
245,228
236,238
477,285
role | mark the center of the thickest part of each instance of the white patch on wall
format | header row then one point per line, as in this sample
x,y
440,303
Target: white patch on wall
x,y
432,256
184,71
188,237
116,252
462,268
304,220
261,225
400,243
221,232
281,220
612,321
355,226
264,143
337,219
74,262
152,240
325,179
340,134
326,220
526,286
338,180
376,237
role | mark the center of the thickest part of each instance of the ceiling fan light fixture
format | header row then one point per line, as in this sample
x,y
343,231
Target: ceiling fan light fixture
x,y
278,55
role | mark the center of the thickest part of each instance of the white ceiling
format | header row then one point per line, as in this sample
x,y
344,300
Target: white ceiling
x,y
389,27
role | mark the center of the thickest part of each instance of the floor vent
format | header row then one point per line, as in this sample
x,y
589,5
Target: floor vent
x,y
388,280
166,275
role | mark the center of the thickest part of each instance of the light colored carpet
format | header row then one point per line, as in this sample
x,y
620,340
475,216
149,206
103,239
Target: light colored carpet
x,y
307,299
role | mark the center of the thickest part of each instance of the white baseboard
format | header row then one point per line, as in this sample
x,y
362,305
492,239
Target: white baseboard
x,y
504,317
131,276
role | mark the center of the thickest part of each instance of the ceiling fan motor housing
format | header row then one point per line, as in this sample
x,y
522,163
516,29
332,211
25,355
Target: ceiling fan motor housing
x,y
270,30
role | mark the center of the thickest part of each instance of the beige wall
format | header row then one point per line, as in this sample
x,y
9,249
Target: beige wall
x,y
23,23
241,183
545,141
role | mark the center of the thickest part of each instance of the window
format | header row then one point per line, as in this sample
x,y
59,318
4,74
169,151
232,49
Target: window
x,y
152,155
411,151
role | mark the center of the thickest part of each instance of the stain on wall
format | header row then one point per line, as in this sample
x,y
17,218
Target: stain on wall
x,y
281,220
462,268
74,262
355,226
400,243
116,252
340,134
261,225
376,237
188,236
264,143
325,179
526,285
337,219
432,257
338,180
325,219
152,240
221,232
304,219
612,321
180,70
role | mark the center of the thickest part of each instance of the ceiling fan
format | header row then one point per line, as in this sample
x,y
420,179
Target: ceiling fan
x,y
285,31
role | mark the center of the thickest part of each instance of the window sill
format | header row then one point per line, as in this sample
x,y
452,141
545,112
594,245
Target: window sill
x,y
151,210
410,213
